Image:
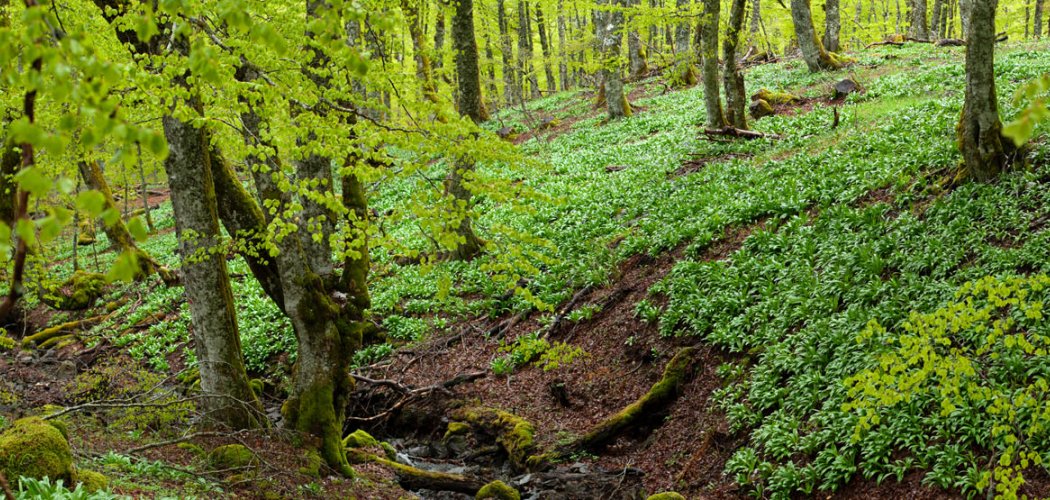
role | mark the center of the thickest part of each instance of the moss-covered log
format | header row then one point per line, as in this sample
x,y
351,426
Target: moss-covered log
x,y
66,328
78,292
412,478
662,394
513,433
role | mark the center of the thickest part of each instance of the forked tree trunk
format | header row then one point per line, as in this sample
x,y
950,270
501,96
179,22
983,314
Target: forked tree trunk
x,y
709,58
470,105
817,59
983,147
610,39
832,25
731,74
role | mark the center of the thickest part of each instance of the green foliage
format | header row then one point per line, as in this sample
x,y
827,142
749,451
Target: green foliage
x,y
44,489
33,448
531,348
979,365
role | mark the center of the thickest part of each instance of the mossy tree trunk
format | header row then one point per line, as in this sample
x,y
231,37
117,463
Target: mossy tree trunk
x,y
470,105
983,147
563,53
545,46
525,67
736,101
424,66
610,40
816,57
917,28
639,65
10,160
935,19
709,59
966,8
756,21
832,25
228,399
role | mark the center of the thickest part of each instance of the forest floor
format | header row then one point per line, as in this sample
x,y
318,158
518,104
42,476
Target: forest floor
x,y
645,238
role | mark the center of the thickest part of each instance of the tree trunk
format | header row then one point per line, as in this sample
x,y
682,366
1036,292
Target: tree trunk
x,y
1037,22
917,28
525,50
684,73
424,66
709,59
813,52
636,52
563,54
439,37
470,106
610,40
965,8
983,147
511,77
756,21
832,25
10,161
736,101
935,18
545,46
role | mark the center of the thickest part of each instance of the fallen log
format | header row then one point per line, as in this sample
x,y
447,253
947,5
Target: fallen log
x,y
664,392
884,42
513,433
412,478
739,133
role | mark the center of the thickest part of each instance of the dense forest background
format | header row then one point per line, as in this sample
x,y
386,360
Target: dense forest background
x,y
524,249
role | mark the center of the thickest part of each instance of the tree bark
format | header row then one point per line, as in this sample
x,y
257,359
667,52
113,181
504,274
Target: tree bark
x,y
917,29
1037,21
832,25
610,40
10,161
525,66
965,8
470,106
511,77
736,102
817,59
709,59
563,53
984,150
684,73
639,66
935,18
424,66
545,46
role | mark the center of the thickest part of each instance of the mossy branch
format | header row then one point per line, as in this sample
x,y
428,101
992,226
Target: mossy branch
x,y
417,479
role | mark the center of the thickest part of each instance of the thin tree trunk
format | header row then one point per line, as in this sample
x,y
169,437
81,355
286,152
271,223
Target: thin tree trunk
x,y
563,54
424,66
639,66
756,21
511,77
685,72
732,76
709,59
545,46
832,25
983,147
439,37
1037,21
935,18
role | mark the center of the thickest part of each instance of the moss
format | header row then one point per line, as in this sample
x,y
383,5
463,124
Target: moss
x,y
61,427
257,386
92,481
760,109
78,292
667,495
513,433
498,490
360,439
32,447
313,464
456,428
389,450
231,456
6,343
772,97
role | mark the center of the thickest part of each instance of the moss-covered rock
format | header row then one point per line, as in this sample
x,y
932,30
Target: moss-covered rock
x,y
667,495
231,456
513,433
388,450
313,464
6,343
456,429
80,291
32,447
92,481
760,109
772,97
197,451
497,490
360,439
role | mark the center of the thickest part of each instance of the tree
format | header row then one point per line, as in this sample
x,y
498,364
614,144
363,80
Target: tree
x,y
984,149
470,105
511,75
816,57
736,101
639,66
684,73
917,28
832,25
610,39
709,61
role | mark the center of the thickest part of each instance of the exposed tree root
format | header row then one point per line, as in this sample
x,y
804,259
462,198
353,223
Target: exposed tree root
x,y
662,394
412,478
513,433
69,327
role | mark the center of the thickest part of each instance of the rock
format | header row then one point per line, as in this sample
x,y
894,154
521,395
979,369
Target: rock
x,y
78,292
760,109
34,448
775,97
549,123
231,456
498,490
313,464
506,133
846,87
389,450
92,481
360,439
419,451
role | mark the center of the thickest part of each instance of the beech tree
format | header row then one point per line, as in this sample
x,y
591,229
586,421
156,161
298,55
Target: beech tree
x,y
709,60
984,150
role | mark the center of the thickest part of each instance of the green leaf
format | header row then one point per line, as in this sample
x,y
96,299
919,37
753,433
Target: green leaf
x,y
92,202
33,180
138,229
124,268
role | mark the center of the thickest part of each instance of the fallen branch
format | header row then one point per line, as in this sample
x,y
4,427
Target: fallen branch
x,y
409,394
885,42
739,133
553,327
